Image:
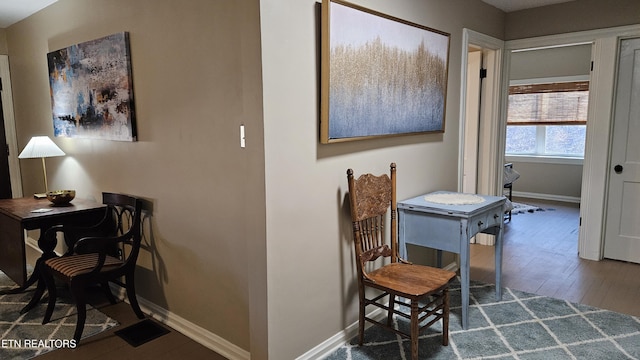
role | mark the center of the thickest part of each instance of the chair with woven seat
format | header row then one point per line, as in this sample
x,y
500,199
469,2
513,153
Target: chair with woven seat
x,y
425,288
98,259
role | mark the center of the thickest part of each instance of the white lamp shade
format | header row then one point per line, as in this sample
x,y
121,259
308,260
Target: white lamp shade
x,y
40,147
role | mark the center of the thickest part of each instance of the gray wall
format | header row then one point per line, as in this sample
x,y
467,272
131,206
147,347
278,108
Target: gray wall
x,y
571,16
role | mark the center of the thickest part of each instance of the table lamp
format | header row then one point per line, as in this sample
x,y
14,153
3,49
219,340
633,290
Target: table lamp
x,y
41,147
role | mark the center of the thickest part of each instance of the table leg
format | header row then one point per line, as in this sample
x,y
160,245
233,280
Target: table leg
x,y
464,281
498,258
47,246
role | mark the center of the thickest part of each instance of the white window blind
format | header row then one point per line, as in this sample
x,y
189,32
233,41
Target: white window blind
x,y
549,104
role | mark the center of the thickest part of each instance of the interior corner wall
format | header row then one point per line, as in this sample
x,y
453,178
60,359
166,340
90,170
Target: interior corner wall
x,y
3,42
572,16
196,79
312,292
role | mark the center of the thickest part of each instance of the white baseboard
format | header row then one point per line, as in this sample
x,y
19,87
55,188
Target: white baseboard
x,y
32,243
187,328
194,332
336,341
561,198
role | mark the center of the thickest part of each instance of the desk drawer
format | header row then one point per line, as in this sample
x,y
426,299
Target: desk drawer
x,y
484,221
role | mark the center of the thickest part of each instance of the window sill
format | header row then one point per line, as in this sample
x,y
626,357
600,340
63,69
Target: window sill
x,y
545,159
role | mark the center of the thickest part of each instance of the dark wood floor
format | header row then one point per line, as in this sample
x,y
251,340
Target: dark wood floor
x,y
541,256
107,345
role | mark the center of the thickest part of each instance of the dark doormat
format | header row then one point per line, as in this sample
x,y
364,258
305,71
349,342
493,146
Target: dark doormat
x,y
141,332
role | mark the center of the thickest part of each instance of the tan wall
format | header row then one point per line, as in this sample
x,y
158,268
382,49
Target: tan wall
x,y
310,270
554,62
3,42
196,70
561,180
571,16
252,244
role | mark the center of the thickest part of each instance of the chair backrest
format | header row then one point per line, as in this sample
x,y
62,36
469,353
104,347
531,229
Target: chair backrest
x,y
370,198
125,212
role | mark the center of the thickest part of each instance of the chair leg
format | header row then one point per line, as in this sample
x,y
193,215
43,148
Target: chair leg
x,y
414,329
361,319
445,317
131,294
78,292
37,295
392,304
53,293
107,292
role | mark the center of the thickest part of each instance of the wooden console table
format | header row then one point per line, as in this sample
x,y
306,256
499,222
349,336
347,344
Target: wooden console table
x,y
18,215
450,228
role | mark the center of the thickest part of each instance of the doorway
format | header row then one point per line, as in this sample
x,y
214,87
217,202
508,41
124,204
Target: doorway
x,y
480,134
8,140
480,107
595,174
5,178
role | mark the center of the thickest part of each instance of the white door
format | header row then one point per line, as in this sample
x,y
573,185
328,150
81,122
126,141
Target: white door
x,y
622,232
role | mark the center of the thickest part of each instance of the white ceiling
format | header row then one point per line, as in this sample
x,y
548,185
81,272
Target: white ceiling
x,y
12,11
515,5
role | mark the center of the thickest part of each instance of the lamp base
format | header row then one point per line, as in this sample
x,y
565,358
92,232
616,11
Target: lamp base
x,y
40,196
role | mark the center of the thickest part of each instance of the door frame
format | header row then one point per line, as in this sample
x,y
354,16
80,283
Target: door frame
x,y
491,137
595,174
10,128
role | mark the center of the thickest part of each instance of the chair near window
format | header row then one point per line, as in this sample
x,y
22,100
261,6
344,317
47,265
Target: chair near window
x,y
426,288
98,259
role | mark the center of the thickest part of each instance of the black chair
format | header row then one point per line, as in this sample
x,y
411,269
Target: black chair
x,y
106,252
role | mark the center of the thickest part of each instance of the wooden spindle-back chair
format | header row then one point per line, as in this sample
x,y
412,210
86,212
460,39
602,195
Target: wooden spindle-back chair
x,y
426,288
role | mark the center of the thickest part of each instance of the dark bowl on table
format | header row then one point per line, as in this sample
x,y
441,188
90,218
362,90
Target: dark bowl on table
x,y
61,197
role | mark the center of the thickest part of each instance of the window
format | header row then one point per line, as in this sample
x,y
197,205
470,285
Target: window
x,y
547,119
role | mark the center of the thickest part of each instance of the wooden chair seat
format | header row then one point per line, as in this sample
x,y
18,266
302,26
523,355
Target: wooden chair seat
x,y
410,280
71,266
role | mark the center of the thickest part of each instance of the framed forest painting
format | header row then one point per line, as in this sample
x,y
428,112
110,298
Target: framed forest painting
x,y
92,89
380,75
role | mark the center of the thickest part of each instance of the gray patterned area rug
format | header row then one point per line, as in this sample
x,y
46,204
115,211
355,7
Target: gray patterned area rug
x,y
22,336
521,326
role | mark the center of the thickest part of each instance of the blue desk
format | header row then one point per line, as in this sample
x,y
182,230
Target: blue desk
x,y
449,228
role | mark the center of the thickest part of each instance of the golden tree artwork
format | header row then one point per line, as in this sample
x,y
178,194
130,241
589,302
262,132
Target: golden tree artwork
x,y
381,75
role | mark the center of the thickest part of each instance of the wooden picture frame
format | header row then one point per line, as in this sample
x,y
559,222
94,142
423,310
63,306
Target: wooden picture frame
x,y
380,75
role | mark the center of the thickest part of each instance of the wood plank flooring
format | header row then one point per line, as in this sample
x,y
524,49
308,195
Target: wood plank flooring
x,y
541,257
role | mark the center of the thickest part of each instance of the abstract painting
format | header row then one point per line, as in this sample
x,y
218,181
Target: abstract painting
x,y
380,76
92,90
